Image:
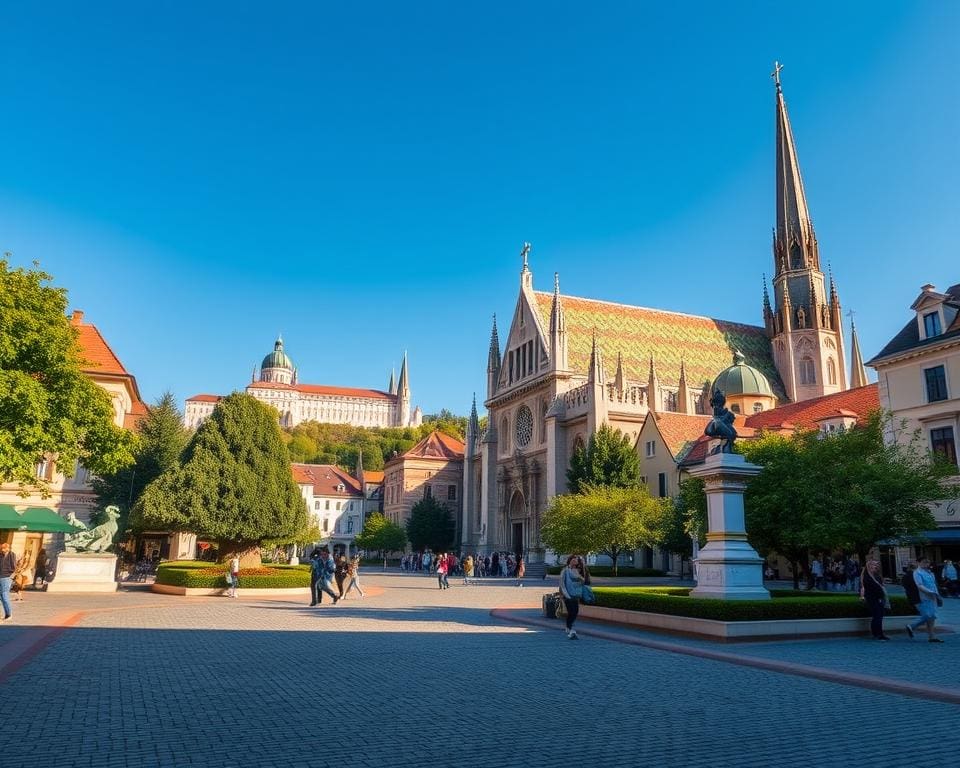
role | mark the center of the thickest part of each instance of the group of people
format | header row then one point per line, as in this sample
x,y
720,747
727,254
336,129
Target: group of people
x,y
920,586
327,572
468,566
840,574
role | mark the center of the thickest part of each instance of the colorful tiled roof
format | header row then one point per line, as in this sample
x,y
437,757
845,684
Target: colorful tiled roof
x,y
436,445
805,415
320,389
705,345
679,430
325,478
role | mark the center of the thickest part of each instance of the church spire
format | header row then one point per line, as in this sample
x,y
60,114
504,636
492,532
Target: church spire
x,y
858,374
403,385
596,374
619,380
392,388
795,243
493,361
683,393
653,389
558,329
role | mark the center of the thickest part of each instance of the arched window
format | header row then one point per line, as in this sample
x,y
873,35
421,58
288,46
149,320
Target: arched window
x,y
735,408
831,371
757,407
808,373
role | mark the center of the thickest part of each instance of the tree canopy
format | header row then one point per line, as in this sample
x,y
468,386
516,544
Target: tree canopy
x,y
161,439
233,483
381,535
431,526
608,460
48,407
605,519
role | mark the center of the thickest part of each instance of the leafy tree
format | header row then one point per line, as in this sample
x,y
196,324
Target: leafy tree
x,y
431,526
381,535
233,483
447,422
162,438
48,407
605,519
688,515
608,460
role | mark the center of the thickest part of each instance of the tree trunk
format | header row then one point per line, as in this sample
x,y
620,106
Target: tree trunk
x,y
795,567
615,553
248,552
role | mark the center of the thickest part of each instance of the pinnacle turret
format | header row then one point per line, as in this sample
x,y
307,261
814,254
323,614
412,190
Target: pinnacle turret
x,y
858,374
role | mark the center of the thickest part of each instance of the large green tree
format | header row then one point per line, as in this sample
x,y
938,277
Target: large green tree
x,y
48,407
605,519
431,526
609,459
233,483
162,438
381,535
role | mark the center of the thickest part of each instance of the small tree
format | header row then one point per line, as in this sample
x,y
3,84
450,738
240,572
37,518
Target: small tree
x,y
688,516
430,526
608,460
48,407
381,535
605,519
233,483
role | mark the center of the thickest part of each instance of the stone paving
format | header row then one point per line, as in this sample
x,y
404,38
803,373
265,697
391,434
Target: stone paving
x,y
415,675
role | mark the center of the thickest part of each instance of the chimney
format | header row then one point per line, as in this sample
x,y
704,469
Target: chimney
x,y
76,318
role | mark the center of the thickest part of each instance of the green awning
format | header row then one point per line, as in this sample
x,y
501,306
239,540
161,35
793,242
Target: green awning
x,y
36,519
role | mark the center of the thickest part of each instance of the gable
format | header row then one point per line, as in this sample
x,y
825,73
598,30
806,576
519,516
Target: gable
x,y
525,353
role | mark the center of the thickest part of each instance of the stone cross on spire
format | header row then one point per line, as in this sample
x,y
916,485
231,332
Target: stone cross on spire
x,y
524,252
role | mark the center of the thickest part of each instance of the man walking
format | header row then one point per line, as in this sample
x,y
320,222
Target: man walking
x,y
326,576
8,565
930,600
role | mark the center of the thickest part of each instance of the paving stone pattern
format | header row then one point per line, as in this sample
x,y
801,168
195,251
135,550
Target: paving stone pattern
x,y
411,677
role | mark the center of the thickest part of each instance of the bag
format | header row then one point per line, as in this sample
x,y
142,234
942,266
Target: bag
x,y
229,578
586,595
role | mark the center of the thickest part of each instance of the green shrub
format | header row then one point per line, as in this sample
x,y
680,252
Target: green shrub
x,y
784,605
607,570
196,575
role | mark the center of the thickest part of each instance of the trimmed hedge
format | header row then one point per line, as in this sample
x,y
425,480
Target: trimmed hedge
x,y
197,575
785,604
607,570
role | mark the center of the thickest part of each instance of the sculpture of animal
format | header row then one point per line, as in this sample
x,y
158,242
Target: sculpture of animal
x,y
98,539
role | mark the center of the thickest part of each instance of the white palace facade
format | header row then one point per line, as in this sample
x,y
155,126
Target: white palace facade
x,y
277,385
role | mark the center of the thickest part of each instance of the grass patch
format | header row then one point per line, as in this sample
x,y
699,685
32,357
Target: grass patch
x,y
204,575
786,604
607,570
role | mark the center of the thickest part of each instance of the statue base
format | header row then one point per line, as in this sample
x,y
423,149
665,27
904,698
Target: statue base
x,y
728,568
85,572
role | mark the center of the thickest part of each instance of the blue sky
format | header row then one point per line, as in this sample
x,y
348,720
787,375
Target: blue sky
x,y
361,176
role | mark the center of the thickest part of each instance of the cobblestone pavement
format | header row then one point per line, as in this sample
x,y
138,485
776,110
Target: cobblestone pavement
x,y
416,675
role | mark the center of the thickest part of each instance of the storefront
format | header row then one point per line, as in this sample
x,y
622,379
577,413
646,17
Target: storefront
x,y
28,530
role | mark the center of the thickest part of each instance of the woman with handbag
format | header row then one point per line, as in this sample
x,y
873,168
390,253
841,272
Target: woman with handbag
x,y
572,580
874,594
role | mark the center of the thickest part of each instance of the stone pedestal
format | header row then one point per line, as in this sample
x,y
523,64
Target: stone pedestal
x,y
85,572
728,567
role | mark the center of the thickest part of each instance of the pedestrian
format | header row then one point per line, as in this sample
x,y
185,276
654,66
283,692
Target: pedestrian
x,y
20,578
816,571
930,600
316,576
40,568
442,564
949,577
572,578
234,576
521,570
327,575
353,576
340,573
8,566
874,594
467,569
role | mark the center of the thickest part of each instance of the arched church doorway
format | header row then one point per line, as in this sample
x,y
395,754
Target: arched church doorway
x,y
517,521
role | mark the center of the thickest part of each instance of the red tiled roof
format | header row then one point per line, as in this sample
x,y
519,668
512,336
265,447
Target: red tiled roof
x,y
325,478
373,476
805,414
96,353
321,389
436,445
205,399
679,430
699,450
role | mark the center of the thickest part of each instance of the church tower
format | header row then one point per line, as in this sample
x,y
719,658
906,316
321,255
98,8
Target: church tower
x,y
804,322
403,395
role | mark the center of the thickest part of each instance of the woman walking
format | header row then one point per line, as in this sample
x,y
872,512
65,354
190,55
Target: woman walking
x,y
874,594
353,574
442,565
234,576
572,579
340,574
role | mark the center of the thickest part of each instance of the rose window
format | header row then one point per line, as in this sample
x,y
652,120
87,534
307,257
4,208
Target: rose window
x,y
524,429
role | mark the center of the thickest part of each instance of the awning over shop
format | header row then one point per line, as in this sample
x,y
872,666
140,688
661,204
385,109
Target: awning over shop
x,y
939,536
35,519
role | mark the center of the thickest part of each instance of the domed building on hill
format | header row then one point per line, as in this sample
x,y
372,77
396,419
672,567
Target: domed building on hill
x,y
277,384
747,390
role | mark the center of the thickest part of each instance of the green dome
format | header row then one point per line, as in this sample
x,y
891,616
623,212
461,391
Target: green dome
x,y
742,379
278,358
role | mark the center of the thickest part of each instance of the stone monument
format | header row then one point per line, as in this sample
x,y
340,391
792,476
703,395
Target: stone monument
x,y
85,565
728,567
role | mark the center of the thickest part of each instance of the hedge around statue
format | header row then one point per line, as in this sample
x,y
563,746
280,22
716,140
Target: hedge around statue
x,y
197,575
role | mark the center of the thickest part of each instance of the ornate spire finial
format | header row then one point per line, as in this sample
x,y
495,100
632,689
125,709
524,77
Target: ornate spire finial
x,y
777,66
556,283
525,252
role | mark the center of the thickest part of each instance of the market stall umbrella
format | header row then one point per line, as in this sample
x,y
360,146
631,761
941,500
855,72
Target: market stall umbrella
x,y
36,519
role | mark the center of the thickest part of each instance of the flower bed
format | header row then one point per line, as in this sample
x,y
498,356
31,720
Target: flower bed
x,y
198,575
786,604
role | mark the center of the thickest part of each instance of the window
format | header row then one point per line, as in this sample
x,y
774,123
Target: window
x,y
451,493
651,448
931,324
326,524
327,506
941,441
338,506
524,426
45,470
662,484
831,371
936,383
350,525
808,372
757,407
316,505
